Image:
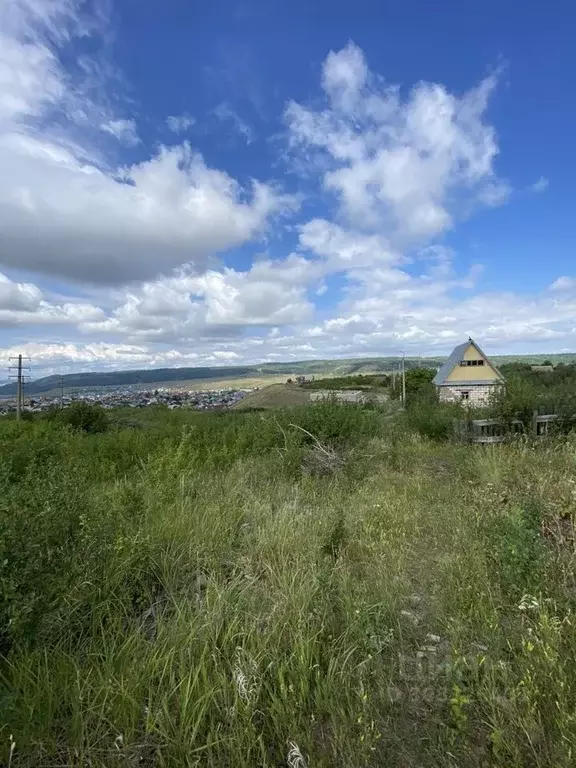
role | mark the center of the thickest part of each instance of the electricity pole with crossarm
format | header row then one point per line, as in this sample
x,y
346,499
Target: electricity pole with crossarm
x,y
17,372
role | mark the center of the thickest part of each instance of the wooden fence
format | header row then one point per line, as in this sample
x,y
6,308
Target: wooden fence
x,y
496,431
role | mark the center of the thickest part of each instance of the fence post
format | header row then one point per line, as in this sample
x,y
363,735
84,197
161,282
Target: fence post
x,y
535,423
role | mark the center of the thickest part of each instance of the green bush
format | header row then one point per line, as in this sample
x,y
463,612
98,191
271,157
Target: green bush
x,y
85,417
432,419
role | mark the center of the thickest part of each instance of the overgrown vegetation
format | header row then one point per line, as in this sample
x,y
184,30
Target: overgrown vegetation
x,y
323,586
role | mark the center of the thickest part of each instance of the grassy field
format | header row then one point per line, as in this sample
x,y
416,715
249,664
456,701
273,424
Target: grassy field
x,y
191,589
275,396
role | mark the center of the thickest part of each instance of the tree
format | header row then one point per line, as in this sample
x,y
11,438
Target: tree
x,y
418,384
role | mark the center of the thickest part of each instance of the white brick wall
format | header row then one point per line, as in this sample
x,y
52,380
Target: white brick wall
x,y
478,394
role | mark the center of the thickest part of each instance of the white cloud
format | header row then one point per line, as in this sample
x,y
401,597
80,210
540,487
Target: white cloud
x,y
219,304
564,284
23,304
180,123
405,166
123,130
226,114
345,249
66,218
64,212
539,186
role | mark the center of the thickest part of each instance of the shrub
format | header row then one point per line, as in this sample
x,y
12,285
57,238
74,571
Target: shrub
x,y
418,382
85,417
432,419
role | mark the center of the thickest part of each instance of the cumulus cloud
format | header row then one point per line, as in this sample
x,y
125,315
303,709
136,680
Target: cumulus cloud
x,y
60,217
24,304
64,213
214,304
408,166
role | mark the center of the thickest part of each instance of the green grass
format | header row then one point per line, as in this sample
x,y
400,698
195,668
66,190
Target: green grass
x,y
221,590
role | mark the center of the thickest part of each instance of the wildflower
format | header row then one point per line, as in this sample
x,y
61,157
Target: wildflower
x,y
295,757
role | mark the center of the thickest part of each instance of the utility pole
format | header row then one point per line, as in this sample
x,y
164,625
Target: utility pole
x,y
19,375
404,379
61,391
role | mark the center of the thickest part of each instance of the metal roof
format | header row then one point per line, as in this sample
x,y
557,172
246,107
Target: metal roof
x,y
454,359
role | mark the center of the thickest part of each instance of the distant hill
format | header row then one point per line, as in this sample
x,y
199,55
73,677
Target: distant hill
x,y
125,378
158,376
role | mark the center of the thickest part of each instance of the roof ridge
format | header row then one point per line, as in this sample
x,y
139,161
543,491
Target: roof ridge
x,y
454,358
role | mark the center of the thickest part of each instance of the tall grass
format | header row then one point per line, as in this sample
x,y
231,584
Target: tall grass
x,y
192,592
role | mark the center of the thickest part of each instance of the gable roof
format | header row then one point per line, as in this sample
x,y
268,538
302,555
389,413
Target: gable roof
x,y
453,360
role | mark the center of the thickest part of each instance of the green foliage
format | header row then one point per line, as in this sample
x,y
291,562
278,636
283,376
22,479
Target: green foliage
x,y
418,383
180,590
516,548
424,414
84,417
433,420
517,400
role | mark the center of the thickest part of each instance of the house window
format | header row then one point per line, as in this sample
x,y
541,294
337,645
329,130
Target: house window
x,y
471,362
465,395
480,362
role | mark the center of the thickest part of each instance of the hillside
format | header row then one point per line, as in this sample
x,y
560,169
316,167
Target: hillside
x,y
275,396
159,376
149,377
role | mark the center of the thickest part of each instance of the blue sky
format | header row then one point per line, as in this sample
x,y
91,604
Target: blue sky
x,y
186,183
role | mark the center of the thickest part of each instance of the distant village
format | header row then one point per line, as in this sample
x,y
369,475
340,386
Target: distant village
x,y
131,397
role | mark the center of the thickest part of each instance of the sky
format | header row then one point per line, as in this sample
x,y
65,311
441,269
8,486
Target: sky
x,y
247,181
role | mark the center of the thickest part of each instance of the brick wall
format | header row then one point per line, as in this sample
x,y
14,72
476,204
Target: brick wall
x,y
477,394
